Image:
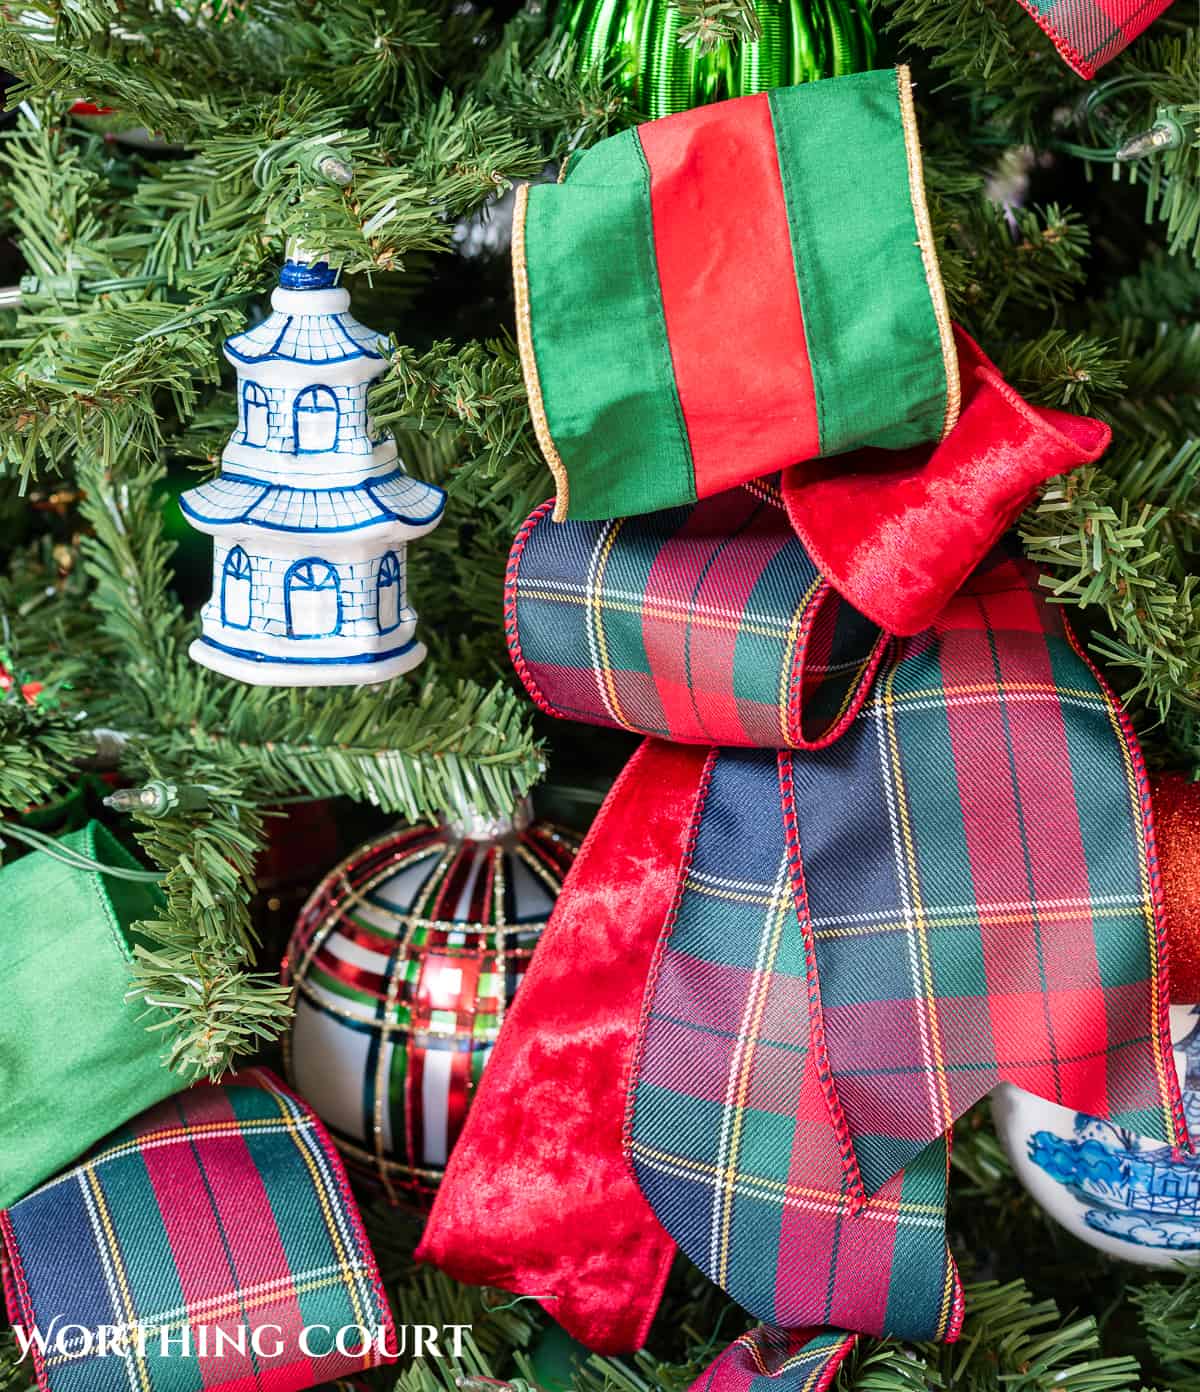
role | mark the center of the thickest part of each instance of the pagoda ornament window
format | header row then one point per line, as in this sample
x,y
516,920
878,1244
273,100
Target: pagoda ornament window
x,y
256,415
388,585
237,589
312,597
315,417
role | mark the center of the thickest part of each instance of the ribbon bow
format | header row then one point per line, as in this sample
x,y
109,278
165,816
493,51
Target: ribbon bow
x,y
778,975
888,842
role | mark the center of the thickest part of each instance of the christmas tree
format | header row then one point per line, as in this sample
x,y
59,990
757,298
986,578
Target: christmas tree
x,y
159,165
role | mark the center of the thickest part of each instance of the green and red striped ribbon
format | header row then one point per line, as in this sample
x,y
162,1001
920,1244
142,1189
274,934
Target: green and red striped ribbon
x,y
713,296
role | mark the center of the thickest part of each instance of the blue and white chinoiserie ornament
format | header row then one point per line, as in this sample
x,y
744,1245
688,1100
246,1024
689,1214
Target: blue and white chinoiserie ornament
x,y
1113,1189
312,509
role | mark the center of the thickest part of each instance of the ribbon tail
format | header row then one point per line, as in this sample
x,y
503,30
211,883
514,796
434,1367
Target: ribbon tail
x,y
733,1133
537,1198
768,1359
974,863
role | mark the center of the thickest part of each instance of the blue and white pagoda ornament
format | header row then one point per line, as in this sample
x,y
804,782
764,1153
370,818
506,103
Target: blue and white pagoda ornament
x,y
312,509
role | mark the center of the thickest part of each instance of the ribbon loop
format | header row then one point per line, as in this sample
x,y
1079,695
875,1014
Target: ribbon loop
x,y
704,625
767,1359
670,288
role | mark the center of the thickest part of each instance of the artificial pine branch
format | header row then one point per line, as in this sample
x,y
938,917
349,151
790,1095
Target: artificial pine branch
x,y
16,1375
536,79
1160,70
40,748
1009,89
193,964
711,22
1101,550
1168,1316
1018,261
1121,539
448,744
1073,371
478,393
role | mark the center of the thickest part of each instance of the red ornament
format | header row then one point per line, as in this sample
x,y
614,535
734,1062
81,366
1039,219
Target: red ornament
x,y
1177,830
30,690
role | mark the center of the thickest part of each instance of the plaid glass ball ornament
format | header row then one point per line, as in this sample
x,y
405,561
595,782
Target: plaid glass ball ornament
x,y
402,964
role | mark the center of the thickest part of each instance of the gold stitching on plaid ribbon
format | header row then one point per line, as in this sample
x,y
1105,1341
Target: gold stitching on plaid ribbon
x,y
820,1357
799,615
742,1070
171,1135
533,385
908,882
766,492
299,1136
879,1207
111,1257
952,1297
852,691
594,611
968,918
739,891
1026,690
700,615
933,274
895,920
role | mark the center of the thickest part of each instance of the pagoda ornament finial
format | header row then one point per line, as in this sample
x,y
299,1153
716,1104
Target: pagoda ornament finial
x,y
312,511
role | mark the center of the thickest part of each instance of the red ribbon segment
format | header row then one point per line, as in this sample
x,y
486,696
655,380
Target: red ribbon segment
x,y
725,259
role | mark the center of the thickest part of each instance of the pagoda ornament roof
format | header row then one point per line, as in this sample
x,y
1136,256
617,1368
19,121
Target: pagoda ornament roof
x,y
310,325
232,500
305,338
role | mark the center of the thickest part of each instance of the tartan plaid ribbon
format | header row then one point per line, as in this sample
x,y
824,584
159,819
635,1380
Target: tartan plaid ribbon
x,y
866,939
765,1358
704,625
223,1209
917,867
1089,33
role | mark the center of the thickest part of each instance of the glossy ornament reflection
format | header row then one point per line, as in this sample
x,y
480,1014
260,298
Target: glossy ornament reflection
x,y
638,40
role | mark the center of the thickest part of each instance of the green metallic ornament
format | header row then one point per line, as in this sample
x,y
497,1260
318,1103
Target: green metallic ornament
x,y
638,41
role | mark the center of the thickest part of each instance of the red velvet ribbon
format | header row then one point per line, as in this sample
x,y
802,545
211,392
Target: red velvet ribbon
x,y
538,1198
897,532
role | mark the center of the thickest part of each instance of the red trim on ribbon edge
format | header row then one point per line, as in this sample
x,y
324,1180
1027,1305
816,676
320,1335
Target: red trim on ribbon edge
x,y
816,1018
511,633
638,1053
1182,1141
